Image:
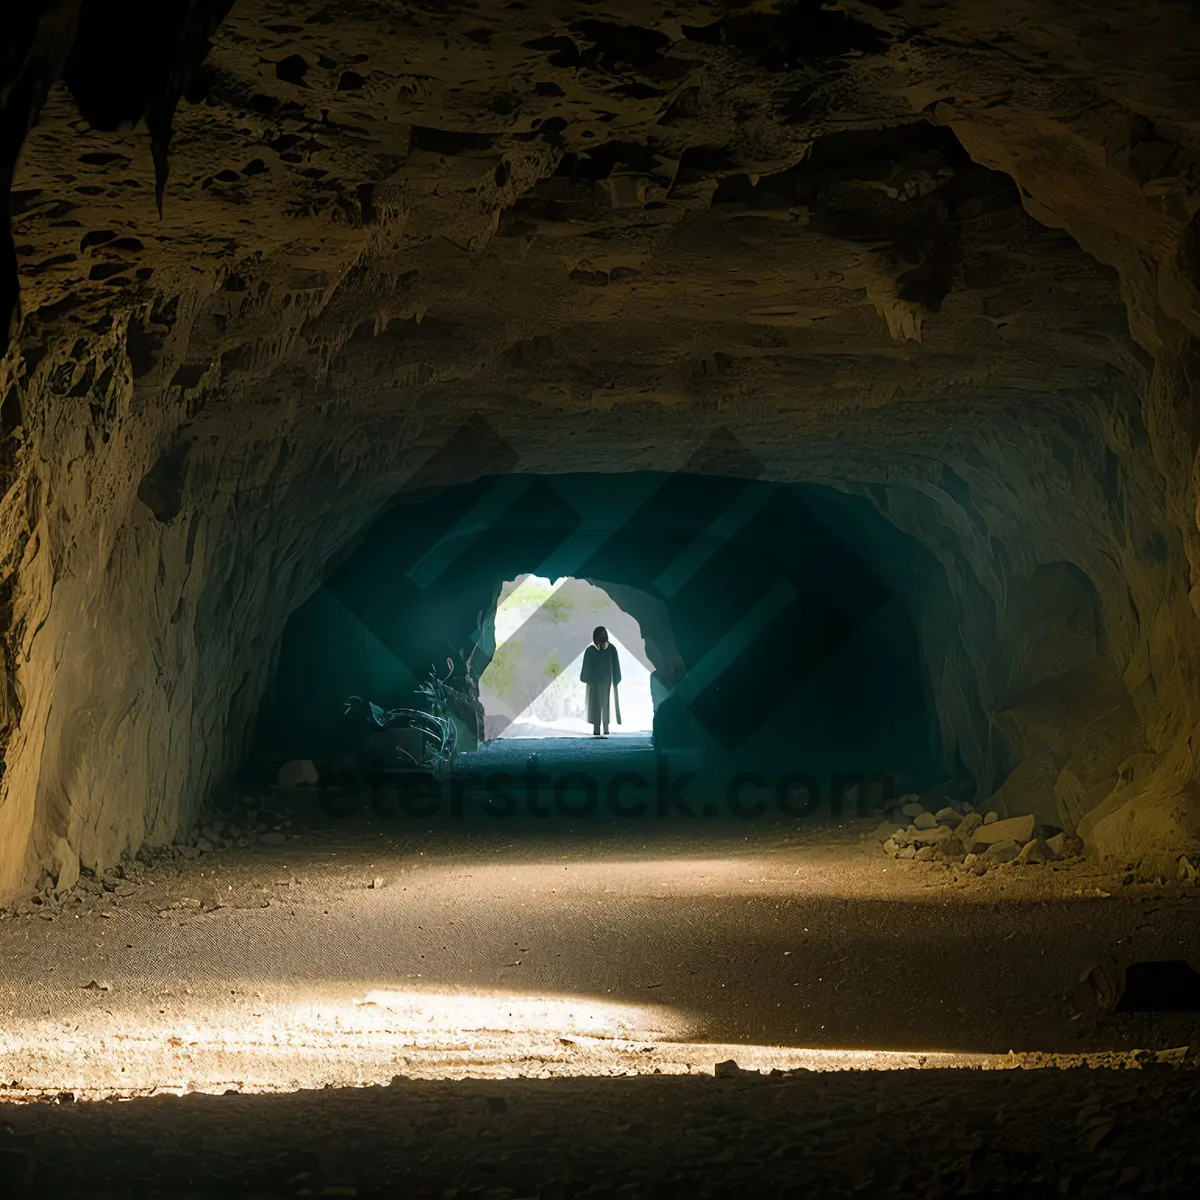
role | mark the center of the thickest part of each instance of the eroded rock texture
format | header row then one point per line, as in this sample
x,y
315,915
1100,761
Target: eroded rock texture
x,y
945,257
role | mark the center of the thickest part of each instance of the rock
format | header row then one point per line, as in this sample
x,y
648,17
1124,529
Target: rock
x,y
925,854
124,888
1032,853
885,829
907,852
1017,829
970,860
1003,851
204,845
1186,871
66,867
378,881
953,849
300,772
967,826
730,1070
1057,844
189,852
912,808
273,837
947,816
892,847
934,836
924,820
990,817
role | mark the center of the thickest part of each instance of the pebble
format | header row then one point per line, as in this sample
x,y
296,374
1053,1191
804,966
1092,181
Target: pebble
x,y
990,817
925,854
913,808
925,820
947,816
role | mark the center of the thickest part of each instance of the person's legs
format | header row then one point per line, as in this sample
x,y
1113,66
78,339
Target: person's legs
x,y
604,713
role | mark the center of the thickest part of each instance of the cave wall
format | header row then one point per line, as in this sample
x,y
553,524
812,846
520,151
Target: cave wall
x,y
981,320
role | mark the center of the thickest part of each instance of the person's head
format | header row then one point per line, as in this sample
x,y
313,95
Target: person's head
x,y
600,637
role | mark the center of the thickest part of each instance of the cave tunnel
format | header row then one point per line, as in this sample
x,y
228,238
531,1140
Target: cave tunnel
x,y
378,382
772,625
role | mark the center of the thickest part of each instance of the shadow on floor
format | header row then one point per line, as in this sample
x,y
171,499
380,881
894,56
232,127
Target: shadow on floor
x,y
1041,1133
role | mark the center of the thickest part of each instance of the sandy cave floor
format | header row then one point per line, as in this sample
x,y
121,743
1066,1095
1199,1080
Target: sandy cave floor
x,y
587,978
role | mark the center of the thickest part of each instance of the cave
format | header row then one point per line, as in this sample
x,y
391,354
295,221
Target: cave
x,y
840,360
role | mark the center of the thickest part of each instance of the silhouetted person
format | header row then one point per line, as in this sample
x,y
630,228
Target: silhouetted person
x,y
601,672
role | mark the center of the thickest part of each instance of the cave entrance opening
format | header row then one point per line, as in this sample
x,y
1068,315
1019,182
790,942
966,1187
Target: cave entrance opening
x,y
531,688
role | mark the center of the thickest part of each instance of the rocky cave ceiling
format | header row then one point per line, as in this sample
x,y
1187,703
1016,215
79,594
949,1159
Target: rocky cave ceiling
x,y
946,251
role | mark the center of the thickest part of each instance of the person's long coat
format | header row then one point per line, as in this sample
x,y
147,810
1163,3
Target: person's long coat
x,y
601,672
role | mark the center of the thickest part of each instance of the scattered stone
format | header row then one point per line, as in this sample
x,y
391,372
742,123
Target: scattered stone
x,y
892,847
925,820
907,852
124,888
204,846
1017,829
1057,844
96,986
189,851
300,772
990,817
925,854
273,837
912,807
953,849
1003,851
1186,871
946,816
970,860
377,882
